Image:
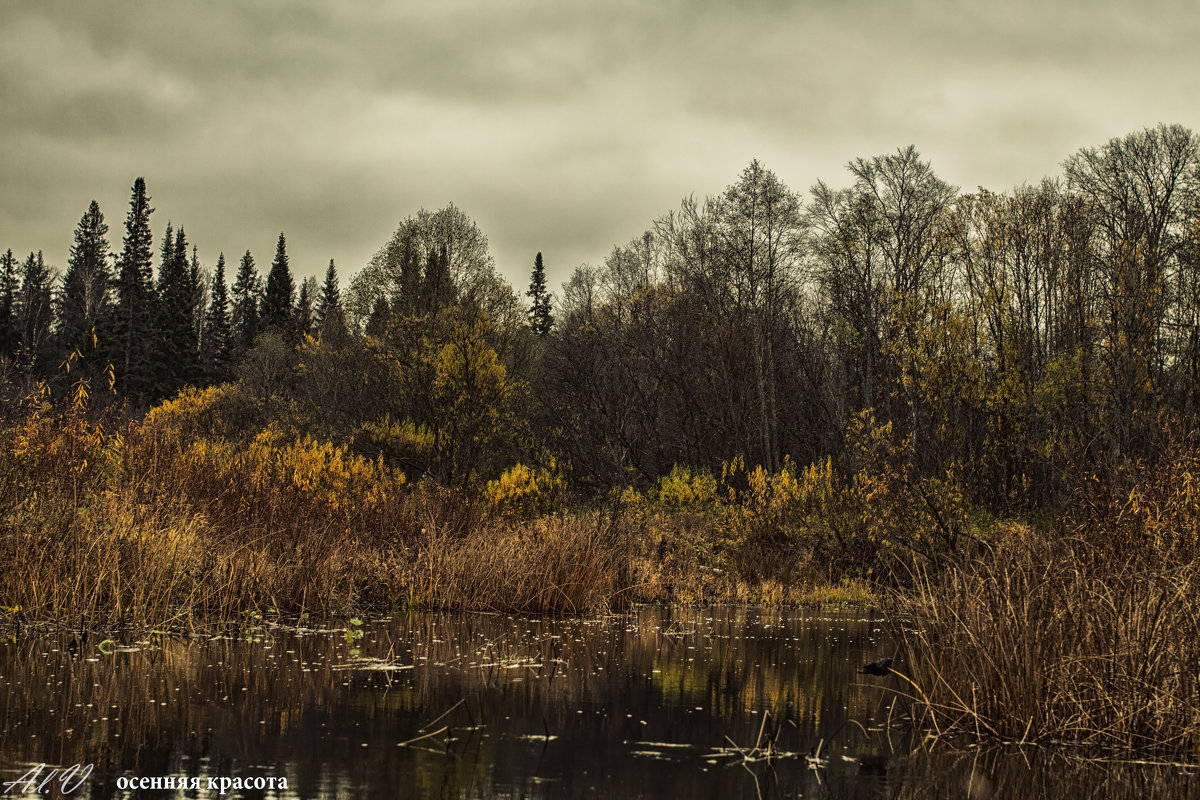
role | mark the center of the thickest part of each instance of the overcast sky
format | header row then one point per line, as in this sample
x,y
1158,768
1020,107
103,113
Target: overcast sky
x,y
559,126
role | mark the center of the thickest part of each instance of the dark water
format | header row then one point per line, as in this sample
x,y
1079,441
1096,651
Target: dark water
x,y
659,703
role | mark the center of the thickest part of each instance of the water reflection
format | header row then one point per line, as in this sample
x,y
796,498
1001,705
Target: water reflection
x,y
653,704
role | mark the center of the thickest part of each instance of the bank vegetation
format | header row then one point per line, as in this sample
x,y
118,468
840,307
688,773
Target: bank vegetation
x,y
982,405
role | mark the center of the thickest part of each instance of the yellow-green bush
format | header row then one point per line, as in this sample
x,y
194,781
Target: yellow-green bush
x,y
686,489
316,471
218,411
398,442
526,490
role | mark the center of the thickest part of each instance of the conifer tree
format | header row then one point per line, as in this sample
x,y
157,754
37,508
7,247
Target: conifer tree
x,y
217,335
278,301
244,310
132,314
540,318
199,281
329,304
9,283
177,360
304,307
167,252
34,314
85,292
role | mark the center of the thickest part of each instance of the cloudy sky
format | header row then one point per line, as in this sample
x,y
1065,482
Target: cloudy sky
x,y
561,126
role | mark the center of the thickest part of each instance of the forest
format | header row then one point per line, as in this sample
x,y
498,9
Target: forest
x,y
978,409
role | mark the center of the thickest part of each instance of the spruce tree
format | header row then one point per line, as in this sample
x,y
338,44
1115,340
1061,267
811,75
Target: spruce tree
x,y
217,335
304,307
34,315
167,253
277,310
540,318
177,361
9,283
84,300
132,313
244,310
329,304
199,282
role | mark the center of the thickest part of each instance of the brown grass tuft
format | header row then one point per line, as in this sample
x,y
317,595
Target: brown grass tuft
x,y
1059,641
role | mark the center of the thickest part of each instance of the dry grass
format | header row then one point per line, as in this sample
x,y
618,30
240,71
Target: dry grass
x,y
1060,641
1089,636
180,520
556,564
124,525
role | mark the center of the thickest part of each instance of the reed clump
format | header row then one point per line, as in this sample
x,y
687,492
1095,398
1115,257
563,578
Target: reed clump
x,y
565,563
1091,637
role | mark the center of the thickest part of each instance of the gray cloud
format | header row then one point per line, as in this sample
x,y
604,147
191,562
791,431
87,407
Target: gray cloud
x,y
559,127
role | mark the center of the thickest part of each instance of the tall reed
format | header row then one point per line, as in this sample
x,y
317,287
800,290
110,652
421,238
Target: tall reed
x,y
1059,641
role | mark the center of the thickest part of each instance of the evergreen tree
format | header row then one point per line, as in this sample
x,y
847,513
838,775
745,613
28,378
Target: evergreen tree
x,y
304,307
177,361
9,283
132,314
167,251
244,311
540,318
329,304
217,335
34,314
281,292
199,281
85,293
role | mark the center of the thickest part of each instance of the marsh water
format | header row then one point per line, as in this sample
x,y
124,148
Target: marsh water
x,y
655,703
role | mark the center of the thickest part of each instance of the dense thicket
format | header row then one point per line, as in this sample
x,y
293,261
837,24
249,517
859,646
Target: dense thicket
x,y
1007,343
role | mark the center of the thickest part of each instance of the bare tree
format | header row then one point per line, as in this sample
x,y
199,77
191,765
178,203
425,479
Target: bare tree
x,y
1137,188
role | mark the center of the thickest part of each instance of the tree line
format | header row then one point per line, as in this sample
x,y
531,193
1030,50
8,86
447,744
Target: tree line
x,y
1015,342
150,332
1012,342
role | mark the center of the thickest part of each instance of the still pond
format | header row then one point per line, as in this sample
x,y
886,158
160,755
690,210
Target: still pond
x,y
656,703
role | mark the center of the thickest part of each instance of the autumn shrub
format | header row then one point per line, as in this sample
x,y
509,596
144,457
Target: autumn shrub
x,y
1160,505
77,545
748,536
272,481
109,522
225,412
397,442
686,489
525,491
867,518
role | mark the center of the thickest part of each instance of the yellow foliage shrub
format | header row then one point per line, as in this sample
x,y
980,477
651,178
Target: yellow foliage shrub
x,y
220,411
526,490
317,471
685,489
403,441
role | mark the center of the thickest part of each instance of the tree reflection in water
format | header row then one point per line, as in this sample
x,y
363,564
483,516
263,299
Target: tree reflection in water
x,y
480,705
